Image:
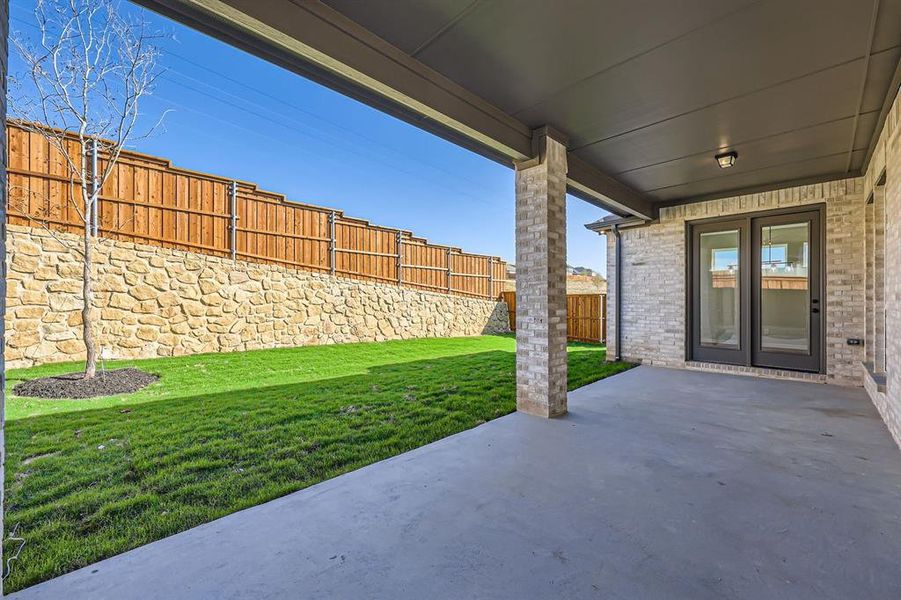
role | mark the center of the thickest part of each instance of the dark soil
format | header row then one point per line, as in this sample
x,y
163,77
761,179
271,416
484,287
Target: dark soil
x,y
71,385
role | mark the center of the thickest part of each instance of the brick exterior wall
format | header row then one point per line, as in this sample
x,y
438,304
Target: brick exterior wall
x,y
654,282
541,283
887,159
654,297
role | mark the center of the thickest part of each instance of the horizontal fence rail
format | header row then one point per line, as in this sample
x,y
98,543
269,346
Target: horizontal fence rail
x,y
586,316
149,201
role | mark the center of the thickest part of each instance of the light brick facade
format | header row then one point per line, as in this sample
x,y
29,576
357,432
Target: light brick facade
x,y
654,298
541,281
654,276
886,195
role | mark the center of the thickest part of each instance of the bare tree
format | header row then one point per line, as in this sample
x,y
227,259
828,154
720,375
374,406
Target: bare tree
x,y
86,70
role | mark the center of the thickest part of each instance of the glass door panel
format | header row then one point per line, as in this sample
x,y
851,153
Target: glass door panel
x,y
720,293
719,266
786,291
785,287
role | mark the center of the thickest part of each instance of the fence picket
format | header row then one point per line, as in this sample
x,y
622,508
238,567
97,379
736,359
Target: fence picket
x,y
149,201
586,316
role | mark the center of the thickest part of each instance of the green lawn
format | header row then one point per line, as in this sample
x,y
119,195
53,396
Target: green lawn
x,y
86,479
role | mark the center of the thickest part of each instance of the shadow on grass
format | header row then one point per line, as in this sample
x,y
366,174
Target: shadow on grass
x,y
87,485
232,371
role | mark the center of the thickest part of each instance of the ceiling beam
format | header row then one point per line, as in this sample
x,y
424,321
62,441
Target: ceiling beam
x,y
318,42
590,184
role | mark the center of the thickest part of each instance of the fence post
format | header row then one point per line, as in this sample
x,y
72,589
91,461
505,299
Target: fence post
x,y
332,242
95,193
490,277
233,208
449,273
400,258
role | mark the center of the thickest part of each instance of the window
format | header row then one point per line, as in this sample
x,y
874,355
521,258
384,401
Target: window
x,y
724,259
773,256
874,239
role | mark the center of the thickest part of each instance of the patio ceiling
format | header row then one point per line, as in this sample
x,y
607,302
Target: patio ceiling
x,y
646,92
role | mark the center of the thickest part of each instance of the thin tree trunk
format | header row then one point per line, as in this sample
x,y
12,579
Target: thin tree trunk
x,y
87,292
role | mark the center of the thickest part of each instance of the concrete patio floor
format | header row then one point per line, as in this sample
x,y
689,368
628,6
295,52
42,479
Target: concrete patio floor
x,y
658,484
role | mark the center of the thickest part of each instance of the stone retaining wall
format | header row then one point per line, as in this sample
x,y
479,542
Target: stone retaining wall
x,y
160,302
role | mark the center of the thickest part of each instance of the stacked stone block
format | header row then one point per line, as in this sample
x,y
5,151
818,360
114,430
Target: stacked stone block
x,y
161,302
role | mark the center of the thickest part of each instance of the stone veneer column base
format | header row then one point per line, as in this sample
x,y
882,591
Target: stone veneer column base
x,y
541,280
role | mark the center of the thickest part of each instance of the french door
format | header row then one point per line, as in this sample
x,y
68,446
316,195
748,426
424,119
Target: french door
x,y
756,296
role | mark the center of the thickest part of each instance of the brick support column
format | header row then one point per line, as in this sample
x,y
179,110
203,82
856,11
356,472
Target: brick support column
x,y
541,278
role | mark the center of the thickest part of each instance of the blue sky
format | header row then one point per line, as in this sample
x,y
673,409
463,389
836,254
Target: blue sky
x,y
235,115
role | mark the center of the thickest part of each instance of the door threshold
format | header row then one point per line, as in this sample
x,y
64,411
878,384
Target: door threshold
x,y
767,372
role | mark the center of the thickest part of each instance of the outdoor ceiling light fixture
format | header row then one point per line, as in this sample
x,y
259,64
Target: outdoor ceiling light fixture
x,y
726,159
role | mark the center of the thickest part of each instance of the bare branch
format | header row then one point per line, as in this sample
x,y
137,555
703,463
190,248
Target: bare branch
x,y
86,72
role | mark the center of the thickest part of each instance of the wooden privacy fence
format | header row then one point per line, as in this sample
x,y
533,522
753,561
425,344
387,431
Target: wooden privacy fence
x,y
586,316
149,201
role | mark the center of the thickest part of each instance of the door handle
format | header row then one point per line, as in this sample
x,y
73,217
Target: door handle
x,y
814,310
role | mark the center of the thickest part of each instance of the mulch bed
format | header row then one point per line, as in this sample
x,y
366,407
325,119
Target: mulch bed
x,y
71,385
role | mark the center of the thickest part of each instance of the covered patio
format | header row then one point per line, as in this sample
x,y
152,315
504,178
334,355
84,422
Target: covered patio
x,y
658,483
670,116
677,479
